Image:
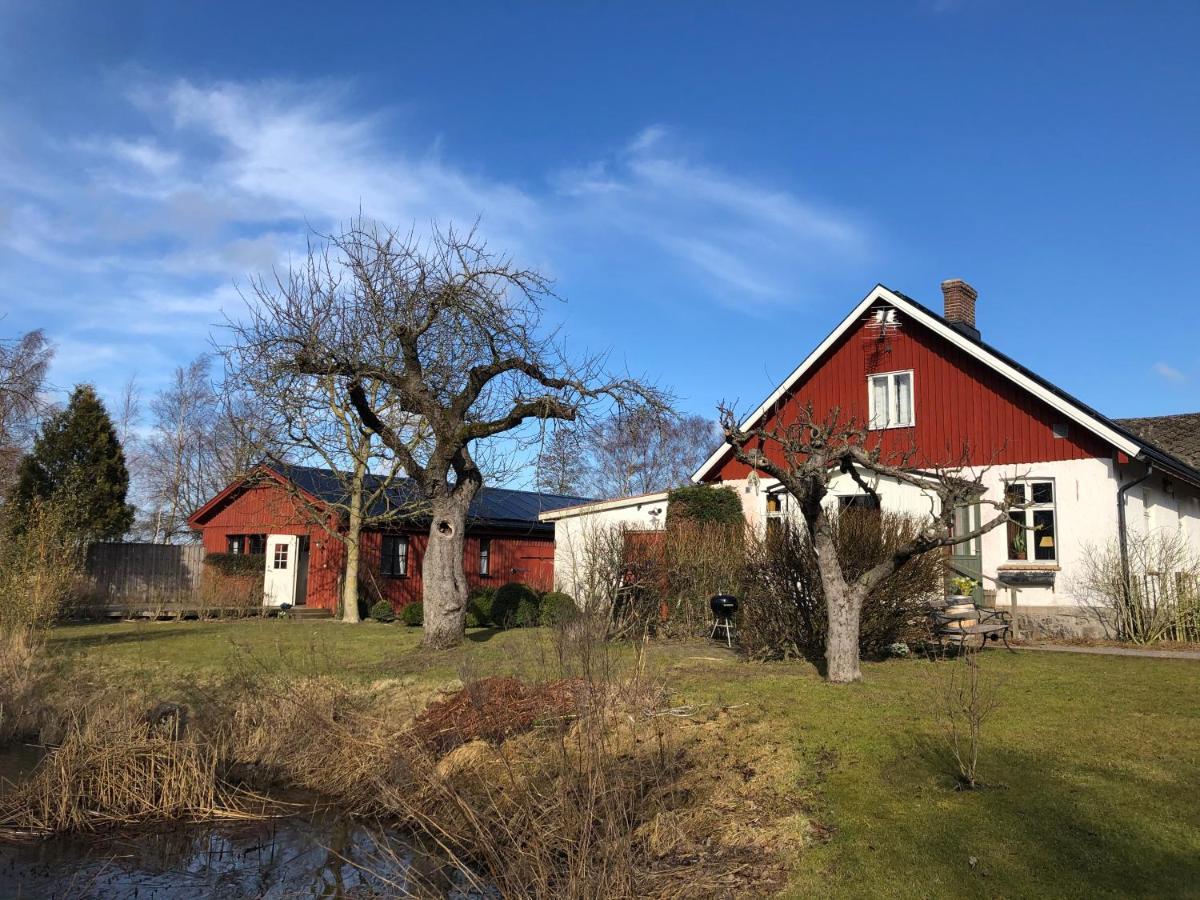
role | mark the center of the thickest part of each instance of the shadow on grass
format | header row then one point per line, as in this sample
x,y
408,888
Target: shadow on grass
x,y
482,635
1043,825
139,633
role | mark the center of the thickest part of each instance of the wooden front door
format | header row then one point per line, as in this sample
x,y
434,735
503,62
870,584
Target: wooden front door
x,y
966,558
279,580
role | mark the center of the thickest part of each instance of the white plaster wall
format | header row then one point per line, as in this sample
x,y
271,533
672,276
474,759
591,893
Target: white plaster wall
x,y
577,530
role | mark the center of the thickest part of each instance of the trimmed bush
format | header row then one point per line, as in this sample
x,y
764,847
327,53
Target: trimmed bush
x,y
508,601
381,611
479,607
557,608
413,614
237,563
529,613
702,504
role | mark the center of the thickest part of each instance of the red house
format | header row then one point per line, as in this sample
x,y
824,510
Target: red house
x,y
288,514
928,383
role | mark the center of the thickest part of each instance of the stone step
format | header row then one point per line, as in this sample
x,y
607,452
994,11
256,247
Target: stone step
x,y
308,612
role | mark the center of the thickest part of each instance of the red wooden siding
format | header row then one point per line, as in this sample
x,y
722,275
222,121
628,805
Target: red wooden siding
x,y
956,400
268,509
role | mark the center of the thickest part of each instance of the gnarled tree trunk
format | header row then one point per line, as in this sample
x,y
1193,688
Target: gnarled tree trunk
x,y
443,574
843,608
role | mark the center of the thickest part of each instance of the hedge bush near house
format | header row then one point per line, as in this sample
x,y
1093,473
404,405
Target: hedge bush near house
x,y
234,564
413,614
508,601
479,607
558,607
381,611
702,504
529,612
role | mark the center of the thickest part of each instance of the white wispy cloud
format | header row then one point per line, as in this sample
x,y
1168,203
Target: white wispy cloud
x,y
135,237
1170,373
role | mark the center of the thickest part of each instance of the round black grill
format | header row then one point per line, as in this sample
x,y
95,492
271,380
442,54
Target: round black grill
x,y
723,605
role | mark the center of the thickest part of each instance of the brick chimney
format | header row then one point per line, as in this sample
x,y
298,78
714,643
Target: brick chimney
x,y
960,306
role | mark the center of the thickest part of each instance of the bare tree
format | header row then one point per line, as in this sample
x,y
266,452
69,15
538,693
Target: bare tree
x,y
452,333
562,465
198,444
311,419
645,450
24,363
804,456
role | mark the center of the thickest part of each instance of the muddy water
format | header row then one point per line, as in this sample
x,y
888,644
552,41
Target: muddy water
x,y
314,852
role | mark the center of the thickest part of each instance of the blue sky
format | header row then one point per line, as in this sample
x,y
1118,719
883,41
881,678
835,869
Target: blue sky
x,y
711,185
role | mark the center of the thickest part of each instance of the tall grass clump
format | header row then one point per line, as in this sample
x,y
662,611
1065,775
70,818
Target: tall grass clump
x,y
41,563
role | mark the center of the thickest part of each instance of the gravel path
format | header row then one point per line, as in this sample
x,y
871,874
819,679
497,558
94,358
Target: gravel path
x,y
1113,651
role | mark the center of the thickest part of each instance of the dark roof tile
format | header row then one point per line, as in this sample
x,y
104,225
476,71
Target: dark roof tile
x,y
1178,435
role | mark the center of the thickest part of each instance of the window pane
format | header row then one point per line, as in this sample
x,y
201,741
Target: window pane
x,y
879,402
903,411
1043,491
256,544
1043,534
1015,492
281,556
1017,540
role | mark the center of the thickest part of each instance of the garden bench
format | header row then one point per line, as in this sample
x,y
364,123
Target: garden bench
x,y
988,624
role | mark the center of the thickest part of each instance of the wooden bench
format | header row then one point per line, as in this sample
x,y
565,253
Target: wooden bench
x,y
989,624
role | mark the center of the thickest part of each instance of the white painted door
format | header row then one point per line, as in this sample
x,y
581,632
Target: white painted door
x,y
279,583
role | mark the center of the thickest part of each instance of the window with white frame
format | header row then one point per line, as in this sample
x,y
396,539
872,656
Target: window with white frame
x,y
485,556
393,555
1033,529
776,512
890,398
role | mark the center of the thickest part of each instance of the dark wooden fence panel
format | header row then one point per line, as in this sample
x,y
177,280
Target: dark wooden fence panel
x,y
151,572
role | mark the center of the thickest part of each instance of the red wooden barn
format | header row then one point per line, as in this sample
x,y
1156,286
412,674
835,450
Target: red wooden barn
x,y
286,514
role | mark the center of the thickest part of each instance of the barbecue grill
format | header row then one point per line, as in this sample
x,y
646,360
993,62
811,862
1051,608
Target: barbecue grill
x,y
723,606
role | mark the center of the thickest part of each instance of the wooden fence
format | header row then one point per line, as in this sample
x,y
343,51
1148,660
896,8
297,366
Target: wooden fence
x,y
145,572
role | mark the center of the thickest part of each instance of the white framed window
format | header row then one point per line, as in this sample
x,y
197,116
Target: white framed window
x,y
393,555
890,400
485,556
1033,530
776,513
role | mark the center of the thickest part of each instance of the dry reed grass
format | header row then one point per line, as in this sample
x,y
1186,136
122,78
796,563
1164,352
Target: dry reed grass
x,y
120,769
21,683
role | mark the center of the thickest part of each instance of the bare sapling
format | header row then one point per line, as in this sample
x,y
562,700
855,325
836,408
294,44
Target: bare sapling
x,y
965,699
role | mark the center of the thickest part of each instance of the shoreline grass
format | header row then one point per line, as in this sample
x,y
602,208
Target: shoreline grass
x,y
1091,764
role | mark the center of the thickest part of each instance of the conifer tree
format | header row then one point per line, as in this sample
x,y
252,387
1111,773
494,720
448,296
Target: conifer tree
x,y
77,460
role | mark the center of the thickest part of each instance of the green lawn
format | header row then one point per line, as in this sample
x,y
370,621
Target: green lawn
x,y
1092,762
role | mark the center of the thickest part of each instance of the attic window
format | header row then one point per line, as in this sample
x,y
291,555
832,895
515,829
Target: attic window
x,y
890,399
1061,430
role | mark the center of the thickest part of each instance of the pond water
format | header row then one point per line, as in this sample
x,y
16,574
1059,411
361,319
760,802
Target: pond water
x,y
315,852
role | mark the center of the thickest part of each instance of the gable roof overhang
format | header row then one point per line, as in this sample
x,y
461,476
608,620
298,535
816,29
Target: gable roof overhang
x,y
255,476
1074,410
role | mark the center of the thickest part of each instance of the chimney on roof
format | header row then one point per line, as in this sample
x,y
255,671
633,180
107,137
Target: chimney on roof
x,y
960,306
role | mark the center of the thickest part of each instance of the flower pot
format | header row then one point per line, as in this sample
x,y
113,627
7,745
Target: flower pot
x,y
961,610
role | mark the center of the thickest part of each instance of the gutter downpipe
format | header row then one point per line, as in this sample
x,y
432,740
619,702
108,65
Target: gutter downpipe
x,y
1122,526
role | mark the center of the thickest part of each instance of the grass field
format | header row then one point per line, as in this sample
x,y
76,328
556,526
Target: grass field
x,y
1092,763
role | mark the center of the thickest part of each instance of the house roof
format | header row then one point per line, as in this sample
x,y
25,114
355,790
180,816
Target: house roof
x,y
1122,438
1178,435
492,507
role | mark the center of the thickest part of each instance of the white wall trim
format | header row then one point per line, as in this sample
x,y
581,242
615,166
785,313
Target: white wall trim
x,y
596,506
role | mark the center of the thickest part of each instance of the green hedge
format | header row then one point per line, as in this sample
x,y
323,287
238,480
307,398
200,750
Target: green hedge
x,y
381,611
703,504
237,563
507,603
413,614
558,607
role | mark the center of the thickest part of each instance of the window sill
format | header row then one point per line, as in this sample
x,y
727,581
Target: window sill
x,y
891,427
1019,566
390,575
